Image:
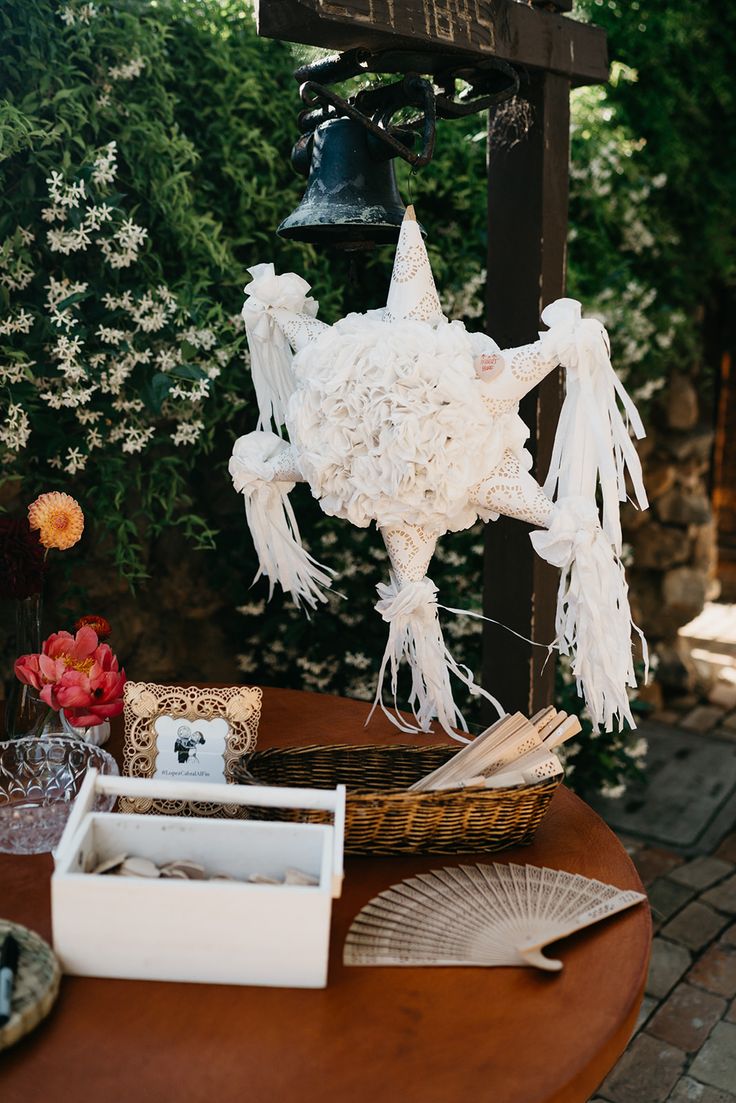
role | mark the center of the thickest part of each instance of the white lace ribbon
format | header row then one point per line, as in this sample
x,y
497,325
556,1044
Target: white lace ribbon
x,y
415,635
593,444
593,621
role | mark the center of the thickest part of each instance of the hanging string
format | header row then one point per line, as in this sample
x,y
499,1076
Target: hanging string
x,y
410,185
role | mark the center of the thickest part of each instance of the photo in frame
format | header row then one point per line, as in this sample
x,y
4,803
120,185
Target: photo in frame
x,y
187,733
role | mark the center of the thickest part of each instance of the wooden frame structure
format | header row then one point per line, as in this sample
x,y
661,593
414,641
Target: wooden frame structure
x,y
527,232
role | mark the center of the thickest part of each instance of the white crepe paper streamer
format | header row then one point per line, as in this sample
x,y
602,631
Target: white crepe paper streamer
x,y
270,353
415,635
281,555
593,621
592,444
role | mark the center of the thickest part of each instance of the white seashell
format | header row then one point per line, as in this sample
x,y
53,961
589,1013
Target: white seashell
x,y
109,865
192,870
299,877
139,867
263,879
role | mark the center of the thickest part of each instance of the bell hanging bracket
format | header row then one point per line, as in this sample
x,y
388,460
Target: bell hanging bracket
x,y
347,143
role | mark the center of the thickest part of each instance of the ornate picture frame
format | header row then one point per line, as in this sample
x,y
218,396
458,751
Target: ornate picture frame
x,y
153,712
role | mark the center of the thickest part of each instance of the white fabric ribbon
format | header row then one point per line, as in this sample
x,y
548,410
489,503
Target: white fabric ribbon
x,y
593,620
252,460
281,555
286,292
270,352
574,526
592,444
411,612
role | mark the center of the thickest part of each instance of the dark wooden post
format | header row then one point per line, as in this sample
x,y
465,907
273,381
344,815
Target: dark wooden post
x,y
527,232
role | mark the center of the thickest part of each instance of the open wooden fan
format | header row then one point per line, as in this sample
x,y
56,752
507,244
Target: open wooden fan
x,y
480,915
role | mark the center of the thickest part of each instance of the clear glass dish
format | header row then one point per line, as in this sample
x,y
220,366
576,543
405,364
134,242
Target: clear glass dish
x,y
39,779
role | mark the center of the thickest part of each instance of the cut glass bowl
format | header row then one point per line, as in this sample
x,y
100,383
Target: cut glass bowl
x,y
39,779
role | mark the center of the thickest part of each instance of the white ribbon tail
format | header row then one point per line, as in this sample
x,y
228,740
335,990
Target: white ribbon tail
x,y
593,621
593,447
415,636
270,364
281,555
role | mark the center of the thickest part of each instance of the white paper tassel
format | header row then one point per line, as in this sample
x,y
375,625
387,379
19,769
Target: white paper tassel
x,y
593,622
257,461
281,554
415,635
270,352
592,445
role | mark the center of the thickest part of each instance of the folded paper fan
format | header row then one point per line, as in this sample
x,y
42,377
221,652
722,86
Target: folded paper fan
x,y
480,915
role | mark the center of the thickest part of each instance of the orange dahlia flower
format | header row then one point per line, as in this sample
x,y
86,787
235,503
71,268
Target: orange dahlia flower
x,y
59,519
98,624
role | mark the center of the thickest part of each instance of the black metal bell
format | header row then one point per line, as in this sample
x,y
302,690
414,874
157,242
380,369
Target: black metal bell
x,y
352,199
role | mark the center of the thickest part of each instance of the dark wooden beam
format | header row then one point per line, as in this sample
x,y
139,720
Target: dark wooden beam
x,y
527,233
516,32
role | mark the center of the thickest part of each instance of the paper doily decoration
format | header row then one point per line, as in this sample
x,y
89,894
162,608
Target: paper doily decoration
x,y
36,983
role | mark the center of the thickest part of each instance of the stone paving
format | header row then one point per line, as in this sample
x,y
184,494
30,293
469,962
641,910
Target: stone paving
x,y
684,1047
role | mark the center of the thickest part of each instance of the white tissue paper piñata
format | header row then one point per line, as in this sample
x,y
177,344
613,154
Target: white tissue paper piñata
x,y
402,418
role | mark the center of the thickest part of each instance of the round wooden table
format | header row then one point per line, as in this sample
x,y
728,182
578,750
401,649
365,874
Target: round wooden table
x,y
501,1035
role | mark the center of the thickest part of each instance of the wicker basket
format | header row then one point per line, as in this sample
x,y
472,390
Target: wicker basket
x,y
383,818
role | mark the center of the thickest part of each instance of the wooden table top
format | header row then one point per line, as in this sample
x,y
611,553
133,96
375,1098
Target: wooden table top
x,y
418,1035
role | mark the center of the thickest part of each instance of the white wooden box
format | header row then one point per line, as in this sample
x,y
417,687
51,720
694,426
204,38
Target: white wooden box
x,y
219,932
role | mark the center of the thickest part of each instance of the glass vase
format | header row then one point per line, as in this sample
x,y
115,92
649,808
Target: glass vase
x,y
49,723
24,709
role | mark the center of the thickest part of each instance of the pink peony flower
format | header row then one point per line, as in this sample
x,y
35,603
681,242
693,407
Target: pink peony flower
x,y
78,674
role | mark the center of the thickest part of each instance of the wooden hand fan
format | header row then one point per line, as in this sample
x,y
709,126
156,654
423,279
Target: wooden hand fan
x,y
480,915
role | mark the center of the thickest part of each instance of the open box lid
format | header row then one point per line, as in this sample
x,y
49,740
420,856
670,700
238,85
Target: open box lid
x,y
257,796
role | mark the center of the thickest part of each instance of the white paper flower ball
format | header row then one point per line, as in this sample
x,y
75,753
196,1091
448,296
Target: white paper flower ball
x,y
390,424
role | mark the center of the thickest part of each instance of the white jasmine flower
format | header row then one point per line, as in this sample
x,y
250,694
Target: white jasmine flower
x,y
105,165
128,71
88,417
136,439
613,792
252,609
130,235
168,358
357,659
15,429
57,290
16,323
54,213
128,405
14,371
75,461
187,432
110,336
52,399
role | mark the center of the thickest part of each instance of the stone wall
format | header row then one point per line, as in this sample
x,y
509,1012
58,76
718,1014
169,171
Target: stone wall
x,y
673,544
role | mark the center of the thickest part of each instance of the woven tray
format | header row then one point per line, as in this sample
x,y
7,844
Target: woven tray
x,y
383,818
36,983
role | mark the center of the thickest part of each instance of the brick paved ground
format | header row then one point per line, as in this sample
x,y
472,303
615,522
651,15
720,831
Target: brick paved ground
x,y
684,1046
